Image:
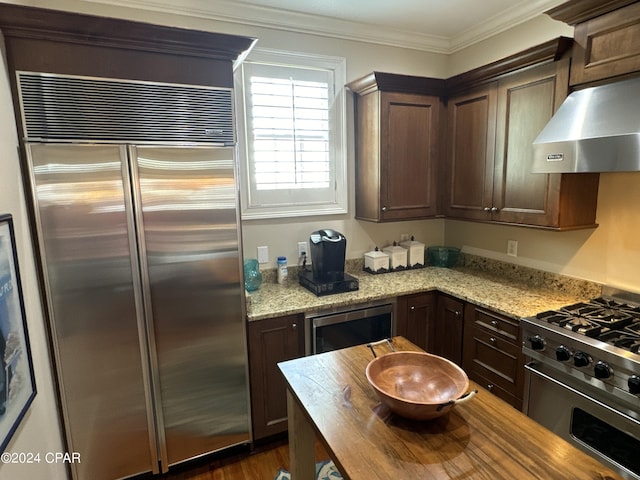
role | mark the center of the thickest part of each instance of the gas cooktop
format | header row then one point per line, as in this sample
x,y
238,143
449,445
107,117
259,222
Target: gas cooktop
x,y
597,342
606,319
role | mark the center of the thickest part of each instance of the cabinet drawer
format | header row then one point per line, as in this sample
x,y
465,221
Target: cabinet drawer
x,y
504,327
497,391
495,359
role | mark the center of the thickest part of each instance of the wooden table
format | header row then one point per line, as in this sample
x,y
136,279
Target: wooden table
x,y
485,438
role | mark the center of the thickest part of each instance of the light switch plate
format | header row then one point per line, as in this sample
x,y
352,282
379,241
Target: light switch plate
x,y
512,248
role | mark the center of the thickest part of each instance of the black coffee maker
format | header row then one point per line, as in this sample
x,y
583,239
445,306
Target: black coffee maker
x,y
327,249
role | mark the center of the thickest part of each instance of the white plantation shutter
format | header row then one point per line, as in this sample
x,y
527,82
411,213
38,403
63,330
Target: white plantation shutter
x,y
293,140
289,124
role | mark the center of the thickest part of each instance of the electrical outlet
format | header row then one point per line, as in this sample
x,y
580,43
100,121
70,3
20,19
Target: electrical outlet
x,y
512,248
263,254
303,248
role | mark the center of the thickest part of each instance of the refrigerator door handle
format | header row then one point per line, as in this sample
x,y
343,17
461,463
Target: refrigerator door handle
x,y
142,289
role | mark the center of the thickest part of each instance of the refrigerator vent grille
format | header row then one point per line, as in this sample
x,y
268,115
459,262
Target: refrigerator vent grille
x,y
65,107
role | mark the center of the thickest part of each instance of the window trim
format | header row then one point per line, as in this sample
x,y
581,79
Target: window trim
x,y
295,59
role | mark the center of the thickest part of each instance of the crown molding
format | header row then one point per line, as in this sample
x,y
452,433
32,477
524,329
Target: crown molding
x,y
286,20
578,11
501,23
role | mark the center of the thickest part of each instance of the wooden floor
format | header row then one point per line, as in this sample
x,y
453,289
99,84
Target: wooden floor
x,y
262,463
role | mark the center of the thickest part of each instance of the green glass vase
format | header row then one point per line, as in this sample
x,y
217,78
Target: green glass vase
x,y
252,275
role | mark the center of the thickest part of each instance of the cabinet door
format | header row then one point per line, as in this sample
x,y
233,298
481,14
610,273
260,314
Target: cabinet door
x,y
448,328
526,102
470,155
271,341
415,319
409,131
607,46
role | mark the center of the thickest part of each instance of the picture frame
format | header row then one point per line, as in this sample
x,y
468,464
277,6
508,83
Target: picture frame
x,y
17,381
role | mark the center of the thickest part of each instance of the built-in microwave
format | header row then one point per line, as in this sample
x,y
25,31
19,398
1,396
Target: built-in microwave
x,y
345,327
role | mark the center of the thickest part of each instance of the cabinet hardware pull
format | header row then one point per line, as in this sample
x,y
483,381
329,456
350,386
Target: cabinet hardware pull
x,y
412,308
458,313
495,209
487,209
294,325
490,387
494,323
384,209
493,340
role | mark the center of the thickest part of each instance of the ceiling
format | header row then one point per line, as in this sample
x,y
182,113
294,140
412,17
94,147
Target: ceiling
x,y
441,26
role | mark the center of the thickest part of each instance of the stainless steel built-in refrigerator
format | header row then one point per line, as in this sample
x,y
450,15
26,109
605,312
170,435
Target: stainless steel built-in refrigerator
x,y
141,259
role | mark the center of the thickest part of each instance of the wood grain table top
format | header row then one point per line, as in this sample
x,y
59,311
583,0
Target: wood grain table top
x,y
484,438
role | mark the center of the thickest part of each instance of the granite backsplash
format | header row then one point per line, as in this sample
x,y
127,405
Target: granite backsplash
x,y
488,268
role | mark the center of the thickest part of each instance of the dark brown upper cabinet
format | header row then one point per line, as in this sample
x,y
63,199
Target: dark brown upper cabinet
x,y
462,147
606,38
52,41
397,139
489,155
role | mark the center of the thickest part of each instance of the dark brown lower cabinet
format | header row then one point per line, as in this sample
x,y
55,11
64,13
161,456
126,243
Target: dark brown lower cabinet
x,y
415,318
485,344
493,353
448,330
271,341
433,321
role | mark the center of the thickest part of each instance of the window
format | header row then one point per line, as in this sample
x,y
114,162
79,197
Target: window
x,y
292,143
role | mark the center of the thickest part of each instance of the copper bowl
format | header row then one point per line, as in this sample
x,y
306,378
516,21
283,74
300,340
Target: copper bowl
x,y
418,385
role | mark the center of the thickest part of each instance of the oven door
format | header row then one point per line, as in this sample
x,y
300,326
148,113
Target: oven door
x,y
603,432
333,330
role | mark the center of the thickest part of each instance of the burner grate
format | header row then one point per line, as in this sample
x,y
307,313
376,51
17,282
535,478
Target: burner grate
x,y
621,339
633,310
583,326
604,312
572,322
597,318
634,328
557,317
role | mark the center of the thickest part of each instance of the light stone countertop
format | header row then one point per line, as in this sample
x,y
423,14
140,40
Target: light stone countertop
x,y
517,297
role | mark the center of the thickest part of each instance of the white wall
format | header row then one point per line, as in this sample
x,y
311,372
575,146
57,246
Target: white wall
x,y
533,32
39,431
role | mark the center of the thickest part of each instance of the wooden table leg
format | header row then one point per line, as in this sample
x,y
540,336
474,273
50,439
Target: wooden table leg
x,y
301,441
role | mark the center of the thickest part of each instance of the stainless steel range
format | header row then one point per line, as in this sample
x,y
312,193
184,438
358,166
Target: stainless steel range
x,y
583,376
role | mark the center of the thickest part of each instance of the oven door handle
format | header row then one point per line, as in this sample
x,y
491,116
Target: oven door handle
x,y
531,368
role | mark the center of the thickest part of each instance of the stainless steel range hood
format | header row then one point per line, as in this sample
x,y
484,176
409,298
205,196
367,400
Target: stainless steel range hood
x,y
595,130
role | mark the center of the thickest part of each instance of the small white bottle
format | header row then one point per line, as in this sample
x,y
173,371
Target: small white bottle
x,y
283,271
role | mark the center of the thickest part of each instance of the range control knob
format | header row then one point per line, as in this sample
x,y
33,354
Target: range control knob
x,y
634,384
581,359
563,354
537,342
602,370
